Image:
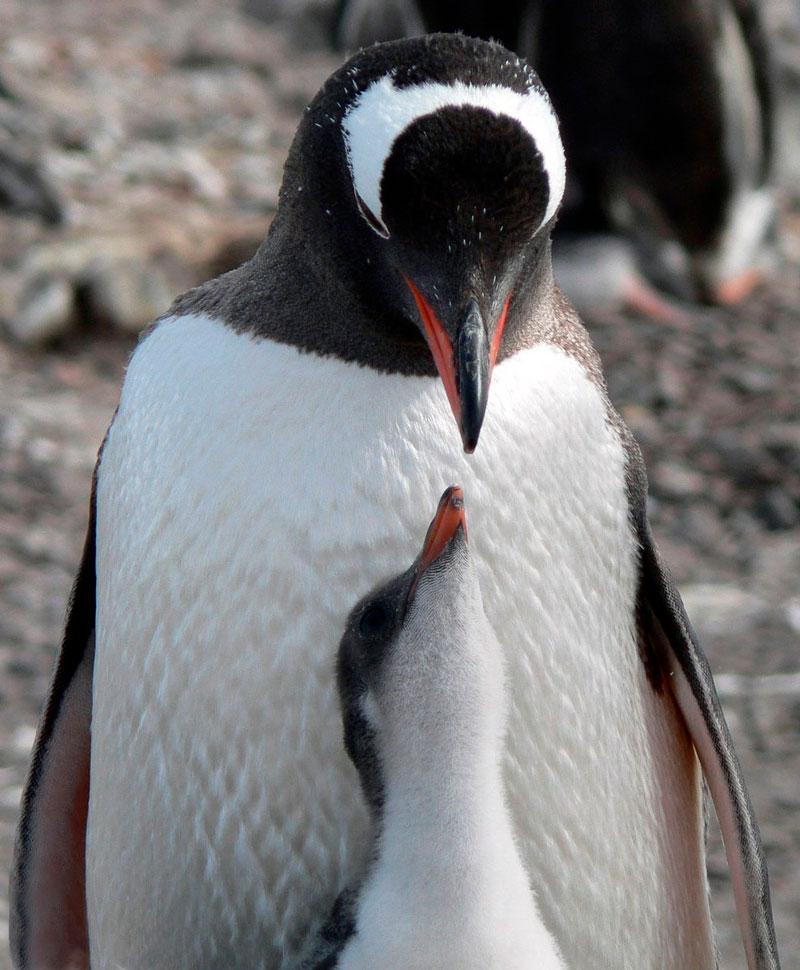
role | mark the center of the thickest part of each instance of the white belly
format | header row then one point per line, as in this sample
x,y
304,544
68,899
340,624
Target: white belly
x,y
248,495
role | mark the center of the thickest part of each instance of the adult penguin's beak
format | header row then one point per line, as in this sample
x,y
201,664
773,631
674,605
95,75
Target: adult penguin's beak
x,y
465,363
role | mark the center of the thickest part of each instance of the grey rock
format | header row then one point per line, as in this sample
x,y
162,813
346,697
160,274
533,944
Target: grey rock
x,y
700,524
752,378
777,509
642,422
782,441
672,479
44,312
179,167
22,739
671,382
741,459
24,188
21,667
128,293
747,529
125,285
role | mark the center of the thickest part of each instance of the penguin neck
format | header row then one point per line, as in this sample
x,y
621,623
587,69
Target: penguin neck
x,y
302,289
332,313
532,308
444,821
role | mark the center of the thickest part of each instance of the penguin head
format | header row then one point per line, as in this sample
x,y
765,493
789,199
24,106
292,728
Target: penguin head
x,y
419,669
432,169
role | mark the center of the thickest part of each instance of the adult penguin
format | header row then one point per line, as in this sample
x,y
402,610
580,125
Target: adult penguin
x,y
279,436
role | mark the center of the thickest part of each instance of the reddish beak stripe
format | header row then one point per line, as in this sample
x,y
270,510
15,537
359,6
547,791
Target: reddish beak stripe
x,y
497,339
441,348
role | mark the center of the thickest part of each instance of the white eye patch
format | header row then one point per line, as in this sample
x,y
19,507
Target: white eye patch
x,y
383,112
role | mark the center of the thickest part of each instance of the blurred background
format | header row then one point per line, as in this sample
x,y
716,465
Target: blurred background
x,y
141,148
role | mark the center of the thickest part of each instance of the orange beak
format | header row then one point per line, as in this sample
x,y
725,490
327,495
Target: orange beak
x,y
450,515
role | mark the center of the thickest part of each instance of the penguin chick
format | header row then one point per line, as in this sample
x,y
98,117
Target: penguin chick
x,y
420,676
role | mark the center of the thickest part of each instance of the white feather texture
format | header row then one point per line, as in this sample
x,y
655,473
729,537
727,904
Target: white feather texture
x,y
383,112
248,495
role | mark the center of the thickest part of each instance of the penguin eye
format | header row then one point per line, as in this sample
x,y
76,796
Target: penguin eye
x,y
374,620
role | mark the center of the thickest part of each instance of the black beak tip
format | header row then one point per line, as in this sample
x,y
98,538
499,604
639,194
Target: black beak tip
x,y
474,398
470,439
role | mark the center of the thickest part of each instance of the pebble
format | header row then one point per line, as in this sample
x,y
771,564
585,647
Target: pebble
x,y
123,283
20,667
777,509
44,312
171,155
128,293
671,383
671,479
753,378
700,524
783,442
181,167
741,459
24,188
22,739
770,685
643,423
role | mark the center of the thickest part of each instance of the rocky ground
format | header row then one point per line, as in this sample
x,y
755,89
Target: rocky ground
x,y
159,129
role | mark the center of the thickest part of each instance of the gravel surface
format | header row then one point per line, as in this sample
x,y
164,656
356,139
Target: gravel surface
x,y
114,90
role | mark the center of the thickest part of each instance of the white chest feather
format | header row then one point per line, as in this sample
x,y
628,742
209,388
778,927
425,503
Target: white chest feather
x,y
248,495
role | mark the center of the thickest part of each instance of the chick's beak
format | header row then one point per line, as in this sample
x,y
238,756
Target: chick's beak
x,y
465,365
450,517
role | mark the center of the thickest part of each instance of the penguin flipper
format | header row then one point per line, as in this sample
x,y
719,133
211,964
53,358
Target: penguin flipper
x,y
752,23
48,925
671,648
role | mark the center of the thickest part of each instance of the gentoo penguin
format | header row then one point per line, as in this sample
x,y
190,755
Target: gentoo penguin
x,y
279,434
667,115
420,676
668,128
